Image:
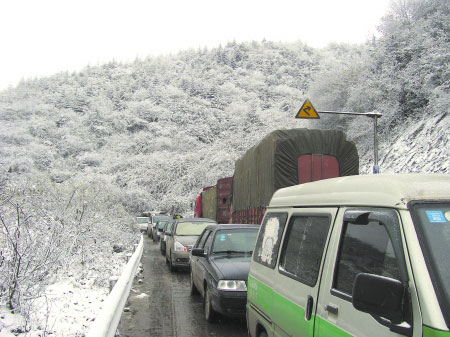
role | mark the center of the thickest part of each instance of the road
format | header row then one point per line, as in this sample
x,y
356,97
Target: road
x,y
161,305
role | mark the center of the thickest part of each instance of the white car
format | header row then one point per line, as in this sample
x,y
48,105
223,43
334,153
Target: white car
x,y
142,223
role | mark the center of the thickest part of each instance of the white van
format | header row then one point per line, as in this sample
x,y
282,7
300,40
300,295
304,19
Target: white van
x,y
354,256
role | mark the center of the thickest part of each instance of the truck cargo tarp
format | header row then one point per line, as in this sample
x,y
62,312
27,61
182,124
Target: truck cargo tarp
x,y
273,163
209,203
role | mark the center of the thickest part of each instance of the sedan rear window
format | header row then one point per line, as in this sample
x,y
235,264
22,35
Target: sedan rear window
x,y
191,228
240,240
161,224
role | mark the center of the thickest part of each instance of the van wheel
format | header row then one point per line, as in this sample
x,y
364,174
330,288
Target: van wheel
x,y
194,290
263,334
210,314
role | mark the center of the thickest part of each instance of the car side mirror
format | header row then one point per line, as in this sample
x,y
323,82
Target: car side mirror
x,y
380,296
198,252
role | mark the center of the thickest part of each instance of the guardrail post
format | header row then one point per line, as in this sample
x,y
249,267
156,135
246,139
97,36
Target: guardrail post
x,y
129,255
112,282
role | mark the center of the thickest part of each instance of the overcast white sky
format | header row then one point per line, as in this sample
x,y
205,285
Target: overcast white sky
x,y
43,37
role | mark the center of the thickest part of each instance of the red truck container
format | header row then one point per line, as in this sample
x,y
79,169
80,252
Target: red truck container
x,y
214,201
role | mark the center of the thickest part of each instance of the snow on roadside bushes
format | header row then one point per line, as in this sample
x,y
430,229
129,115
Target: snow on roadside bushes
x,y
59,245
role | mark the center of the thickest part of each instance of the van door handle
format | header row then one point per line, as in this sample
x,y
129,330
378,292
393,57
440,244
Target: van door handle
x,y
309,307
332,308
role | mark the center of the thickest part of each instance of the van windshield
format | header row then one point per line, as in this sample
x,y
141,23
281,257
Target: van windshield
x,y
432,223
191,228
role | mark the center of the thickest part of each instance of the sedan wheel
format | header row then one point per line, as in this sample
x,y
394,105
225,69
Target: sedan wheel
x,y
194,290
210,314
171,266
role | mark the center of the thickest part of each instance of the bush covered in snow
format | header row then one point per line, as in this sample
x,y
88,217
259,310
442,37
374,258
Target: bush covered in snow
x,y
51,230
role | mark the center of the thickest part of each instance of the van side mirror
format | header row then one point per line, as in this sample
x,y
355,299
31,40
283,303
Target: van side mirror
x,y
380,296
198,252
168,233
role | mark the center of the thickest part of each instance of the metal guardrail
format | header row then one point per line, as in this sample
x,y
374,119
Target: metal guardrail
x,y
105,325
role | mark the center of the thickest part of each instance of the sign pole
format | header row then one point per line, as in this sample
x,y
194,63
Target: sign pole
x,y
307,111
376,169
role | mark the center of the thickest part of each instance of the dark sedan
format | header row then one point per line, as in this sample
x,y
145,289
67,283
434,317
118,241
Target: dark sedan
x,y
220,260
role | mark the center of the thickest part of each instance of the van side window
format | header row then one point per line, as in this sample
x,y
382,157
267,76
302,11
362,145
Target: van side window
x,y
269,238
364,249
303,248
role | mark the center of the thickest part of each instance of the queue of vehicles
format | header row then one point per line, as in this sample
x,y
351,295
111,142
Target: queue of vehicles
x,y
347,256
218,258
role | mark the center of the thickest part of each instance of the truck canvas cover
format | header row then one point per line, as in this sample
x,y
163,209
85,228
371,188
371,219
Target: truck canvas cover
x,y
209,203
273,163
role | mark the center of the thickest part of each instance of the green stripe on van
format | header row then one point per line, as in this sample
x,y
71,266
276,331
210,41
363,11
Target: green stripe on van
x,y
286,316
429,332
325,328
260,295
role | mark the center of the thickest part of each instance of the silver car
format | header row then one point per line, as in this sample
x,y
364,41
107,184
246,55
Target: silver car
x,y
181,239
157,228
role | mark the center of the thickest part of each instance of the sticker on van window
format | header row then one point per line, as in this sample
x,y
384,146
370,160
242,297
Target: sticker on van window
x,y
269,240
447,215
222,237
436,216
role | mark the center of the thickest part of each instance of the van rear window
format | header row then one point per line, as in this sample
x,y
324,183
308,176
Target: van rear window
x,y
269,238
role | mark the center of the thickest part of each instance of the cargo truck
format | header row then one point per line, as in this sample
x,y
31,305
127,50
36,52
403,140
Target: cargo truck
x,y
281,159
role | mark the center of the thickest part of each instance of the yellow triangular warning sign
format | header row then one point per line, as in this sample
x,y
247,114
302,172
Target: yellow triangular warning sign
x,y
307,111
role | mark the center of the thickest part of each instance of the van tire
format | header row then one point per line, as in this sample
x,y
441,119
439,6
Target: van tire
x,y
263,333
210,314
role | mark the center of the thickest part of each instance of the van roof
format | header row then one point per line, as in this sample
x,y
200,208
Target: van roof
x,y
379,190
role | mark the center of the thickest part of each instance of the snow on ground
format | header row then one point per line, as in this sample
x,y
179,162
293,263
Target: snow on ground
x,y
68,308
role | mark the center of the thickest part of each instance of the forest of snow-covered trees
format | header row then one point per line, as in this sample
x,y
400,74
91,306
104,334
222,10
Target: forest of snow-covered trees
x,y
82,153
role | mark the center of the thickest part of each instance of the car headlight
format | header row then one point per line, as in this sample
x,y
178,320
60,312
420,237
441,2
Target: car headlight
x,y
179,247
231,285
